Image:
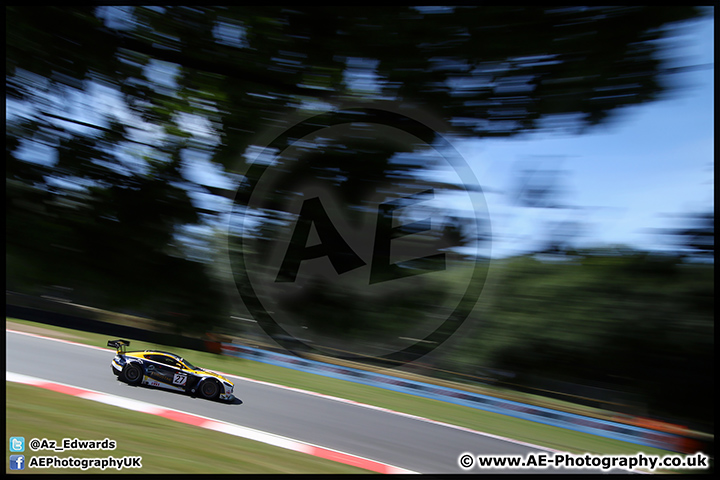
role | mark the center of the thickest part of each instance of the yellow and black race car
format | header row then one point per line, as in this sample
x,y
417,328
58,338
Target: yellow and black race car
x,y
166,370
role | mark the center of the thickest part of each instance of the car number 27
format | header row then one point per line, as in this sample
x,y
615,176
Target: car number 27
x,y
180,379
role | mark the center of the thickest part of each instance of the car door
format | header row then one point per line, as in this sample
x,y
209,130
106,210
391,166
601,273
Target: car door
x,y
164,370
179,374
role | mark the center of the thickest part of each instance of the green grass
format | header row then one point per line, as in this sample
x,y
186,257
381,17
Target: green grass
x,y
527,431
164,445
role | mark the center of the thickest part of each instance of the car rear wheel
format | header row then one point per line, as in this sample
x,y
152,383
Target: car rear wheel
x,y
210,389
132,374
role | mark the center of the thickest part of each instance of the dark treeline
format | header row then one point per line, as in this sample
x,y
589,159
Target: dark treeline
x,y
637,325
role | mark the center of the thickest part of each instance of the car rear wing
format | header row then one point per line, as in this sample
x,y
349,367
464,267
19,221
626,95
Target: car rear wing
x,y
119,345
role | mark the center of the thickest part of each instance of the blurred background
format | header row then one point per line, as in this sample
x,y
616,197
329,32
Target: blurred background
x,y
130,132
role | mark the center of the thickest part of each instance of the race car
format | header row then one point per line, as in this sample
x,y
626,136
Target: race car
x,y
156,368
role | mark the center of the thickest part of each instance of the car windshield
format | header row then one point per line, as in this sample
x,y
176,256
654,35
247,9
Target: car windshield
x,y
189,365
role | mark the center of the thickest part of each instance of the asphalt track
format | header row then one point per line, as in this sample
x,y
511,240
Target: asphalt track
x,y
397,440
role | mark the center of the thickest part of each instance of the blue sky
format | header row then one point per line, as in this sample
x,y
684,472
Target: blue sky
x,y
630,177
627,178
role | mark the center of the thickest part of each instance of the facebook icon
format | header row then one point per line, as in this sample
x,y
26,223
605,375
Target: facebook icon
x,y
17,462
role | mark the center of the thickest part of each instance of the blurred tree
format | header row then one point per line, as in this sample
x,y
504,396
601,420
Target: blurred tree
x,y
696,241
626,320
108,107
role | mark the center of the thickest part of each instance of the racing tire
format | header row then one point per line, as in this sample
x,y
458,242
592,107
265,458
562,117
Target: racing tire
x,y
132,374
210,389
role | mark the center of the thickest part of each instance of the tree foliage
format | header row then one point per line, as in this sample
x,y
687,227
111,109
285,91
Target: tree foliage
x,y
109,108
624,320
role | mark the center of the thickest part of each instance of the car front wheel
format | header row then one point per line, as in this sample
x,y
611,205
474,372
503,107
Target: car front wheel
x,y
210,389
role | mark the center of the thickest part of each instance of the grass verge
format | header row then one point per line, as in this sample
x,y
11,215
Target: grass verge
x,y
164,445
